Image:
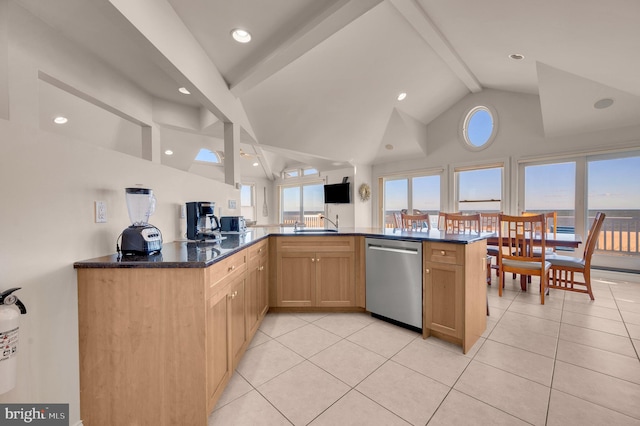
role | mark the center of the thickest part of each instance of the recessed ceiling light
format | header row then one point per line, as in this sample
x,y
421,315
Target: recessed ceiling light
x,y
603,103
256,164
389,146
168,152
516,56
60,120
184,91
401,96
240,35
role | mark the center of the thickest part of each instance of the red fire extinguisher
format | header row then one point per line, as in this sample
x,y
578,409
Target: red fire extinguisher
x,y
9,325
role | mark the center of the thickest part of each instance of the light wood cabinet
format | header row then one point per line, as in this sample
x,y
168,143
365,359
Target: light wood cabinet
x,y
315,271
219,361
257,286
454,292
168,335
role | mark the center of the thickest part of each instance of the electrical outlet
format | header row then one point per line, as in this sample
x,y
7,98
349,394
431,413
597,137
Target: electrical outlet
x,y
183,211
232,204
101,211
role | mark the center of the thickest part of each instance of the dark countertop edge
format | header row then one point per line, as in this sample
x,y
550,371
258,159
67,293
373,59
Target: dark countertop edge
x,y
103,263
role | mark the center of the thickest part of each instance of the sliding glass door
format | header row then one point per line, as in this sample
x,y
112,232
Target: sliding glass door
x,y
613,189
412,194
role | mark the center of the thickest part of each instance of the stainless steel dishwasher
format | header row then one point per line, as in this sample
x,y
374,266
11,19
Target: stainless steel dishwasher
x,y
394,280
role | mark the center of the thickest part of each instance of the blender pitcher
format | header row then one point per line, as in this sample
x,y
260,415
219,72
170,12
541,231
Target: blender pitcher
x,y
141,203
141,238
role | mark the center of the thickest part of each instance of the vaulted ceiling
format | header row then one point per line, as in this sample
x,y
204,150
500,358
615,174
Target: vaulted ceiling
x,y
319,80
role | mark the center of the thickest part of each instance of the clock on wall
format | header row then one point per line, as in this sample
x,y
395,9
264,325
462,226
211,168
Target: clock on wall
x,y
365,192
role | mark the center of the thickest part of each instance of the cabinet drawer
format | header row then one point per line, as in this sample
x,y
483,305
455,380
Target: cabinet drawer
x,y
259,249
316,244
225,269
450,253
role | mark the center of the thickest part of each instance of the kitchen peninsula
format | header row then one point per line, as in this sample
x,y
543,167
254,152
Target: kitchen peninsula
x,y
171,328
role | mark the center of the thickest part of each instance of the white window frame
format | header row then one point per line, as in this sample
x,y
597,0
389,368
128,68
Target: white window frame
x,y
504,164
408,175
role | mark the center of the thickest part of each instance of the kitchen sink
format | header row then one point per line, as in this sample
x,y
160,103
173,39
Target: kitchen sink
x,y
316,230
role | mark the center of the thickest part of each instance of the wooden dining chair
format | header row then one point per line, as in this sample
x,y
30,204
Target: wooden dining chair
x,y
440,224
519,235
462,223
550,225
489,223
415,221
397,220
564,268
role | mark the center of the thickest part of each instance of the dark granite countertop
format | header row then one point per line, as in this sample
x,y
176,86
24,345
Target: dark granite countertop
x,y
188,254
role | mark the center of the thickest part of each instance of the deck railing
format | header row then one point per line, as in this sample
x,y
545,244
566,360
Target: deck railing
x,y
618,236
309,220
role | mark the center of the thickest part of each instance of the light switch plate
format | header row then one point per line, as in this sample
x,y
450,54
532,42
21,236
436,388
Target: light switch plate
x,y
101,211
232,204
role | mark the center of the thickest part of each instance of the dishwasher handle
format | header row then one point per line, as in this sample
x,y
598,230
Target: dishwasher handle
x,y
394,249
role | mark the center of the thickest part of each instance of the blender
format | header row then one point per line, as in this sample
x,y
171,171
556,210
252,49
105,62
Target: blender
x,y
141,238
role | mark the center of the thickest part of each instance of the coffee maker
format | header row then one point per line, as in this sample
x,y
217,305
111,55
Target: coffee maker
x,y
202,223
141,238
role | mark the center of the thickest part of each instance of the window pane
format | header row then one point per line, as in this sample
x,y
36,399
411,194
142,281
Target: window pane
x,y
479,127
310,171
552,187
207,156
291,205
613,190
396,198
425,196
246,195
313,203
480,190
291,174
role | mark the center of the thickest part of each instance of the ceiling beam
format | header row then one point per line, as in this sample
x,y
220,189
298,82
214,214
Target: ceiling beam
x,y
327,23
420,21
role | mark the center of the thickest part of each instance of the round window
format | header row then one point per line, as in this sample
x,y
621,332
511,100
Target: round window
x,y
479,128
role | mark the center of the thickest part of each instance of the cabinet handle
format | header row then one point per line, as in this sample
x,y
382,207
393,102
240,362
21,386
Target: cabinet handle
x,y
259,250
231,268
261,268
442,252
312,259
427,271
318,260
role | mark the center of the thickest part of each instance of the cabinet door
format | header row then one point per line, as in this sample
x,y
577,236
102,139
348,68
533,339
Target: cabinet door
x,y
335,279
238,325
263,286
296,278
219,366
444,298
252,296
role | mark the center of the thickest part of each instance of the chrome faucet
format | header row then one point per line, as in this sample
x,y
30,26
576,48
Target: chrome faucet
x,y
321,216
296,224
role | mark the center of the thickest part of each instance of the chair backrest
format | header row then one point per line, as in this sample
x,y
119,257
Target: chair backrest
x,y
415,221
519,235
460,224
489,222
441,215
550,219
592,239
397,220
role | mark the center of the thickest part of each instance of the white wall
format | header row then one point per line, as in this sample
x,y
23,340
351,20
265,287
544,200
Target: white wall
x,y
520,135
49,185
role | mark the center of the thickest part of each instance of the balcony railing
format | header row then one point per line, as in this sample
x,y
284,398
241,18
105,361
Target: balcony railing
x,y
309,220
619,236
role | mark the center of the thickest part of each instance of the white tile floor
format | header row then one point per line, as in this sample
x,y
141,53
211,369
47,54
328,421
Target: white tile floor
x,y
568,362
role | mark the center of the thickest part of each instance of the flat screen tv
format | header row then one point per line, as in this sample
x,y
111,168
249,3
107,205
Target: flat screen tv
x,y
337,193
